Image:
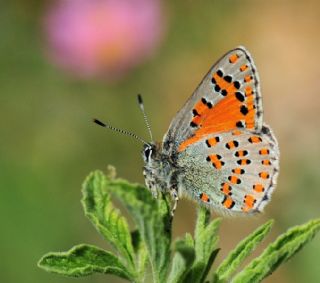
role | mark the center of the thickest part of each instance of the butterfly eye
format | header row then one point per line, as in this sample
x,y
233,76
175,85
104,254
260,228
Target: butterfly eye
x,y
147,153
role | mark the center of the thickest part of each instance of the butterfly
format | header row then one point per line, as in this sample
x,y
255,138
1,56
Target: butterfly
x,y
217,150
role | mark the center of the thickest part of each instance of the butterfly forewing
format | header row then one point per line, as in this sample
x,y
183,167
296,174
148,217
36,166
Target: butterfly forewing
x,y
227,98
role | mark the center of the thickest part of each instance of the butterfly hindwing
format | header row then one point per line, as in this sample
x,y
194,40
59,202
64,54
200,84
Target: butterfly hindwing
x,y
227,98
231,172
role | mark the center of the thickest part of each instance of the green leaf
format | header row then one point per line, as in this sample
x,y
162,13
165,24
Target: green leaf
x,y
107,220
206,239
241,252
83,260
281,250
182,260
153,219
141,254
151,240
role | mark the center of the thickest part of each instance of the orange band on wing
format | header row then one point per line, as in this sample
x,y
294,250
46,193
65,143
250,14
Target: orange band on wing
x,y
221,117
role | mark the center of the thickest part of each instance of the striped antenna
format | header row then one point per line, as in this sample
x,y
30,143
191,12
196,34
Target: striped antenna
x,y
140,101
124,132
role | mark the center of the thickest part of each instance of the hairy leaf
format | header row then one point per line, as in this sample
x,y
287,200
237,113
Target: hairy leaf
x,y
107,220
206,239
153,220
83,260
151,240
281,250
141,254
241,252
182,260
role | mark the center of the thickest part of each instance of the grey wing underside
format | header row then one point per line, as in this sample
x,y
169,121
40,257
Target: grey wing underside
x,y
223,179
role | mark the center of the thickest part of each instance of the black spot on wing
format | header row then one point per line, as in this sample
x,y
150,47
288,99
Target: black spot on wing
x,y
240,96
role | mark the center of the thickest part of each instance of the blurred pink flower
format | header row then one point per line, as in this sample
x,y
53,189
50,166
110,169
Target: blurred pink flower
x,y
103,38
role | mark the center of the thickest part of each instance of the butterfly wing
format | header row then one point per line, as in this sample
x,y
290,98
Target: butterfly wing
x,y
228,158
231,172
227,98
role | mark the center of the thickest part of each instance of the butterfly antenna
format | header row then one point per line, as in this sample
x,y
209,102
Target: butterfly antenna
x,y
140,101
124,132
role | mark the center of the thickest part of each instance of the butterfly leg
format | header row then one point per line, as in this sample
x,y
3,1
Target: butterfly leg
x,y
175,197
154,192
174,192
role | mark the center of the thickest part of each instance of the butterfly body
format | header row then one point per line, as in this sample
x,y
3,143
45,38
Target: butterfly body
x,y
159,168
217,150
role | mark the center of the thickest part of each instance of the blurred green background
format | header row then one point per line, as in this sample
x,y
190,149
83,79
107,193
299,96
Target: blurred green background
x,y
49,145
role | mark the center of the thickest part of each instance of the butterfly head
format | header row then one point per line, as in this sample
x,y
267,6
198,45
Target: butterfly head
x,y
156,167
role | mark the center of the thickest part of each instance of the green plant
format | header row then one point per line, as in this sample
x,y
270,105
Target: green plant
x,y
150,244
